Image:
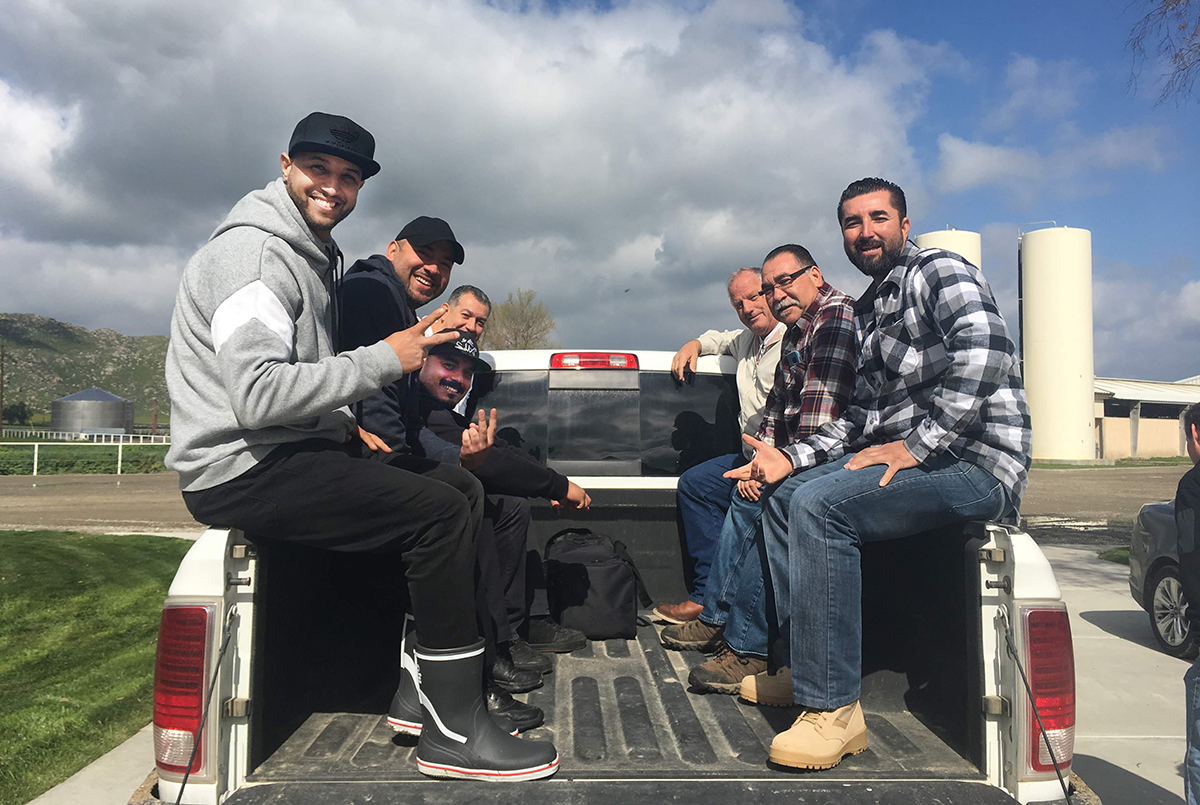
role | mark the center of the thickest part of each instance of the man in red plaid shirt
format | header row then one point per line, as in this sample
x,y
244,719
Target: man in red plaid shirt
x,y
813,383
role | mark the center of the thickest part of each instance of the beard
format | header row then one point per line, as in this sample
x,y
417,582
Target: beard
x,y
321,220
879,265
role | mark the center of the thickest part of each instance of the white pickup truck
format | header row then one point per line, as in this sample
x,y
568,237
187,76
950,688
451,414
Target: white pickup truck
x,y
293,653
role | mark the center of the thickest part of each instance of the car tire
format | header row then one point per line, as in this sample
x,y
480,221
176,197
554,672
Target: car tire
x,y
1168,614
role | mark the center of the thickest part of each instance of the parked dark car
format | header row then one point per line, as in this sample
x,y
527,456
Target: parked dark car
x,y
1154,579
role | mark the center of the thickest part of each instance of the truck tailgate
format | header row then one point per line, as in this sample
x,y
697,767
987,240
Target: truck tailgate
x,y
627,730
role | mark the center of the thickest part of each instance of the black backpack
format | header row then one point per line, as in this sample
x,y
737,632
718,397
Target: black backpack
x,y
593,584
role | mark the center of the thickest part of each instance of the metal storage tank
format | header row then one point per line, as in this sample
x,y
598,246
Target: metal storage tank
x,y
960,241
91,408
1054,275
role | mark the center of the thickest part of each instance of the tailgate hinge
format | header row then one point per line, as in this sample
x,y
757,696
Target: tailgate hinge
x,y
996,706
235,708
991,555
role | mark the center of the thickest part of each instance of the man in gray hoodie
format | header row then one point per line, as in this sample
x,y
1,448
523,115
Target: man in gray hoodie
x,y
263,440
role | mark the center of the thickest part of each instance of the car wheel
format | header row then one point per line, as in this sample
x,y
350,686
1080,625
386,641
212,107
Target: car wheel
x,y
1168,614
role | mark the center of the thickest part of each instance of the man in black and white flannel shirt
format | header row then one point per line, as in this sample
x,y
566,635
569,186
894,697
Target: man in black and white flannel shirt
x,y
937,432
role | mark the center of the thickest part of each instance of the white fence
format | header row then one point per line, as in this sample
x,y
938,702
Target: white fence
x,y
38,446
97,438
37,433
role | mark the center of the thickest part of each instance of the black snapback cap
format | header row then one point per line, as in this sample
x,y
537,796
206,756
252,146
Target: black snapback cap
x,y
338,136
423,230
465,345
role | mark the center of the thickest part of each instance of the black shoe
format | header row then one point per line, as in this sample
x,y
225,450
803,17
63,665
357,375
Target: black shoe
x,y
460,739
502,705
513,679
527,658
546,635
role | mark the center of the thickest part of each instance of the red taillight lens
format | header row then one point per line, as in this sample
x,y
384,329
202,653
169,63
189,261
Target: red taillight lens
x,y
1051,668
593,360
180,669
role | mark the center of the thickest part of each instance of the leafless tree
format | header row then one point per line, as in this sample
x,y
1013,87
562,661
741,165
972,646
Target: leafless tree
x,y
1170,30
519,322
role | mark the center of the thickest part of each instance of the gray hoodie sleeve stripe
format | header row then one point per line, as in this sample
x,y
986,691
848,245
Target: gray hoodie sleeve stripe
x,y
253,302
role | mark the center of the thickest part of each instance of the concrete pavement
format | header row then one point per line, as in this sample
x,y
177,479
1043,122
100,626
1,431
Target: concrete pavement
x,y
1129,729
111,779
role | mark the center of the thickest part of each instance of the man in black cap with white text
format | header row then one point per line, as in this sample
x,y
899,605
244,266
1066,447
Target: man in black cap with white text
x,y
263,439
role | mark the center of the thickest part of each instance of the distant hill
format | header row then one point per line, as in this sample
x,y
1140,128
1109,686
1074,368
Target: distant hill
x,y
46,359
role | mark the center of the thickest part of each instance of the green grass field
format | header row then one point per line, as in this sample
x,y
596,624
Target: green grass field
x,y
1118,555
69,457
78,624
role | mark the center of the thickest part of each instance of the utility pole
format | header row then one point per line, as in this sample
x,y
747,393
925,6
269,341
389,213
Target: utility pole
x,y
1,389
154,419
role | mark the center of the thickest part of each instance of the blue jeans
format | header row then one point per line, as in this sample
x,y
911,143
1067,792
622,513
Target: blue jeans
x,y
815,524
1191,758
736,595
703,498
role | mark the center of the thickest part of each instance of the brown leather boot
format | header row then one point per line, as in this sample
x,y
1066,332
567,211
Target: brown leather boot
x,y
682,612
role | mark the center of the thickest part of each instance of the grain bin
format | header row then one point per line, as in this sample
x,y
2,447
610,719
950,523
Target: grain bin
x,y
960,241
1054,270
91,409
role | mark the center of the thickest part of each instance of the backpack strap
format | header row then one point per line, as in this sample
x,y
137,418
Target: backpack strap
x,y
621,551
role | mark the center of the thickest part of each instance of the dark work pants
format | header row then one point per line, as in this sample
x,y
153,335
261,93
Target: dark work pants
x,y
320,494
509,517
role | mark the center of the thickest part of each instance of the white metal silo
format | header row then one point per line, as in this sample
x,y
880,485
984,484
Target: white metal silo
x,y
960,241
1054,268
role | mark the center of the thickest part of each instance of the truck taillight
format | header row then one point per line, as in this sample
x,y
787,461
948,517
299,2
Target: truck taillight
x,y
1050,662
593,360
180,683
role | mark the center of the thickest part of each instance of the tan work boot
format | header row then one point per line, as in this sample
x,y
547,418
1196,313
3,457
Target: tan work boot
x,y
724,673
819,739
772,690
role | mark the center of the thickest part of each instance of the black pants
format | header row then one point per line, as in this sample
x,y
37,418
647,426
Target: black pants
x,y
510,517
321,494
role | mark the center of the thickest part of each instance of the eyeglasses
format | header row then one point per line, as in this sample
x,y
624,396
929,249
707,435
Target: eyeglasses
x,y
785,281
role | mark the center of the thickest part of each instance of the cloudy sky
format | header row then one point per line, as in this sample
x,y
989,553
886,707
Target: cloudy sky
x,y
620,158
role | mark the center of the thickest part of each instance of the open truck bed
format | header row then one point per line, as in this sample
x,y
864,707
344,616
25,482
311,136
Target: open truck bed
x,y
619,712
625,725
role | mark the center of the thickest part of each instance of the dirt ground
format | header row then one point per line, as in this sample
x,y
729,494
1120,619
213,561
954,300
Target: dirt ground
x,y
1094,505
99,504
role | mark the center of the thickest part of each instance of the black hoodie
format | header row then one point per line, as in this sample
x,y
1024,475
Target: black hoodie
x,y
374,305
1187,525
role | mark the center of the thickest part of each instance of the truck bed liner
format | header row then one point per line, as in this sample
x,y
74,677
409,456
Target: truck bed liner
x,y
619,710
